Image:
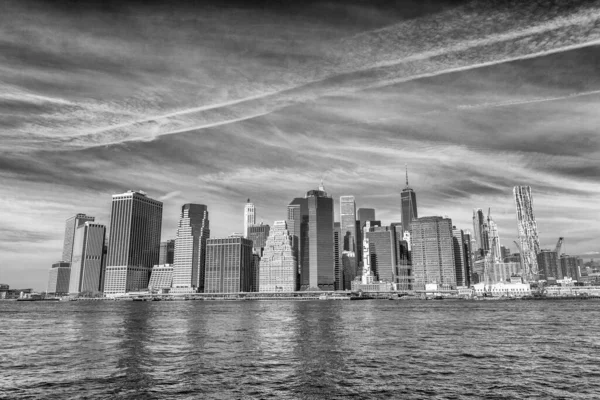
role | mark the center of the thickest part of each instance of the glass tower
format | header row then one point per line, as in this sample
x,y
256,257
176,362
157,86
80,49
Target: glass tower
x,y
408,205
527,228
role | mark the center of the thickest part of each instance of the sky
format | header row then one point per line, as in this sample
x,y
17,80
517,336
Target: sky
x,y
214,103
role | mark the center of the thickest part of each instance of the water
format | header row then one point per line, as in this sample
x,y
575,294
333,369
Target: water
x,y
300,350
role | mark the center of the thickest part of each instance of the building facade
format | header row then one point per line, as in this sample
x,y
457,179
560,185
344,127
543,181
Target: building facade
x,y
70,226
383,252
297,223
278,264
58,279
134,242
527,228
86,265
459,257
432,252
548,265
161,277
190,249
228,265
166,255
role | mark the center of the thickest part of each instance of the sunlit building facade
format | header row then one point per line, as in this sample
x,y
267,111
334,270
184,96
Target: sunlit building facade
x,y
278,264
228,265
527,228
86,265
249,217
58,278
70,226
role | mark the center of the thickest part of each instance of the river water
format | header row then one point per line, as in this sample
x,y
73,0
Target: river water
x,y
300,349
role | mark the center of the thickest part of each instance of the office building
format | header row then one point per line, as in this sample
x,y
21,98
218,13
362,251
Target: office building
x,y
134,242
278,265
58,279
408,205
348,222
190,249
479,232
468,251
297,223
249,217
459,257
318,273
258,234
548,265
166,255
383,252
86,265
161,278
570,267
504,252
527,228
338,245
362,216
228,265
432,252
70,226
493,239
365,214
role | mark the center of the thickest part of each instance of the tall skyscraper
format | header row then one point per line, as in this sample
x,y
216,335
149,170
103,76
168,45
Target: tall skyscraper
x,y
383,252
71,224
58,278
459,257
134,241
166,254
365,214
478,230
433,252
348,222
249,217
319,272
548,265
258,234
297,223
493,239
228,265
527,228
86,264
190,249
468,250
278,265
408,205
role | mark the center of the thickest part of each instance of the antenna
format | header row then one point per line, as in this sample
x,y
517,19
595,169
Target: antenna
x,y
406,168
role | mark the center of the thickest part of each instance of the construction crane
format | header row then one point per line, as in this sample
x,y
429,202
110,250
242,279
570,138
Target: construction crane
x,y
558,246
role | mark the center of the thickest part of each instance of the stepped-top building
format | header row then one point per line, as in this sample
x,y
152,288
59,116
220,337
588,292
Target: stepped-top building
x,y
278,264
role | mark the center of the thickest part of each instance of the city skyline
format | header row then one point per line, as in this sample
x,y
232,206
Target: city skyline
x,y
216,104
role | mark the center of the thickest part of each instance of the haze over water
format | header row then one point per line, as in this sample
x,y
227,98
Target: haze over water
x,y
300,350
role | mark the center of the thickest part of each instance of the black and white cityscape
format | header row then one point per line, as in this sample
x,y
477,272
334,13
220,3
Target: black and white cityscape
x,y
299,200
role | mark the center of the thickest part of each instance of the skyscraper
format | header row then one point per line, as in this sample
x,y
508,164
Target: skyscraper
x,y
408,205
468,250
249,217
348,222
70,226
258,234
365,214
190,249
86,264
319,271
228,265
166,254
527,228
383,252
478,230
134,241
278,264
548,265
433,252
338,245
58,278
459,257
297,223
493,239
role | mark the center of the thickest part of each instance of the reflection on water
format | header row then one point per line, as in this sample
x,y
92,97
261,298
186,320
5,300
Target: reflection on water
x,y
305,349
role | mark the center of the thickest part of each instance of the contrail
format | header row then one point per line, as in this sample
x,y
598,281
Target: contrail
x,y
530,101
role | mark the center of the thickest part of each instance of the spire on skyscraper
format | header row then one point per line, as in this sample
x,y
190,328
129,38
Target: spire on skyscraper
x,y
406,167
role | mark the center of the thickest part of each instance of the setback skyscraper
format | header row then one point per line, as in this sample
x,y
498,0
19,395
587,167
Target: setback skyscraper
x,y
86,265
58,278
408,205
190,249
318,273
433,252
527,228
70,226
134,241
249,217
228,265
278,264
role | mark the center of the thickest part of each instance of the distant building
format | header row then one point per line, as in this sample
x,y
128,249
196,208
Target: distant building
x,y
408,205
362,216
190,249
548,265
468,250
58,279
433,252
505,252
228,265
161,277
166,255
278,264
86,265
460,264
527,227
297,223
479,232
318,273
348,222
365,214
255,272
382,249
134,242
70,226
258,234
569,266
338,245
249,217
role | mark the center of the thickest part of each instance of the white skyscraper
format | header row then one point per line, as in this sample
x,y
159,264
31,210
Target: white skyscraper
x,y
249,217
527,227
86,266
278,265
